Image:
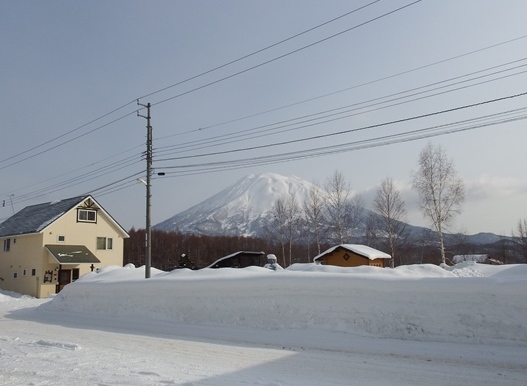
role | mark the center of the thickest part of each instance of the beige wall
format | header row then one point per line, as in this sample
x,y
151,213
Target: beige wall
x,y
28,253
21,257
84,233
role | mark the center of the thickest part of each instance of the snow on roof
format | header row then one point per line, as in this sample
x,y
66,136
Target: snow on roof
x,y
359,249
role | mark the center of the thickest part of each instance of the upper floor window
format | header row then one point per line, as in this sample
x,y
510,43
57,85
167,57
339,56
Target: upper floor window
x,y
7,245
86,215
104,243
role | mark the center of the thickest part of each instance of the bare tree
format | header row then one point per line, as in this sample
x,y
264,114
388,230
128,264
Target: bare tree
x,y
337,192
459,244
391,214
292,224
353,216
314,207
284,228
278,228
441,191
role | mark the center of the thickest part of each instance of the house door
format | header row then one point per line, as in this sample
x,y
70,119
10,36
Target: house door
x,y
64,278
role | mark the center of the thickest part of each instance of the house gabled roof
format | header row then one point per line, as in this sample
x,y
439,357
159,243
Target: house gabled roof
x,y
362,250
35,218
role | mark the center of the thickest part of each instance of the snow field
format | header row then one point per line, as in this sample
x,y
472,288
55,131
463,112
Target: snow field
x,y
425,303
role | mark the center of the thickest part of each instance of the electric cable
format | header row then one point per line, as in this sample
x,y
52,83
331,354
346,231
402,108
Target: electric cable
x,y
226,138
346,131
352,146
258,51
284,55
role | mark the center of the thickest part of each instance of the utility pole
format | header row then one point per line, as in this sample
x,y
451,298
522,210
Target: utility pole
x,y
148,241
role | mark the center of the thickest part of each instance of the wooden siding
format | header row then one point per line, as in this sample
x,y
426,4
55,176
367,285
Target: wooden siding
x,y
343,258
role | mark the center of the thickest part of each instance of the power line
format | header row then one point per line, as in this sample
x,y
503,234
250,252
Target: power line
x,y
351,146
77,171
187,80
194,77
67,141
412,135
92,191
373,126
67,133
83,178
353,87
338,133
259,50
71,182
286,54
227,138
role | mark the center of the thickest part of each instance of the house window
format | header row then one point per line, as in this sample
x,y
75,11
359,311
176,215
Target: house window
x,y
61,238
85,215
104,243
24,272
15,275
7,245
74,274
33,272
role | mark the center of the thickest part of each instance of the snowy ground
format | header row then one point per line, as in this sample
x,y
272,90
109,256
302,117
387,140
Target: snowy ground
x,y
307,325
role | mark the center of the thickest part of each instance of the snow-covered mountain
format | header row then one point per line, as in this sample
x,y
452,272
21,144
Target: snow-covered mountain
x,y
245,209
242,209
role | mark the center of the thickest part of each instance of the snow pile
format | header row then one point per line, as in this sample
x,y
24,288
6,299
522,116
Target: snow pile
x,y
421,302
8,296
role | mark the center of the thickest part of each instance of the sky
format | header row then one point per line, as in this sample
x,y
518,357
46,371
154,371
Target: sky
x,y
458,326
301,88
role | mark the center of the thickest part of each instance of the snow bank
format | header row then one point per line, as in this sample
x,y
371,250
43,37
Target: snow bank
x,y
421,302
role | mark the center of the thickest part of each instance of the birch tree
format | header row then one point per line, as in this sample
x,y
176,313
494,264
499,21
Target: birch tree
x,y
391,216
521,238
278,230
353,216
285,225
314,207
337,193
441,191
292,224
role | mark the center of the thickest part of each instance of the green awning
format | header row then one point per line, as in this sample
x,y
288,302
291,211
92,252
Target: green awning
x,y
72,254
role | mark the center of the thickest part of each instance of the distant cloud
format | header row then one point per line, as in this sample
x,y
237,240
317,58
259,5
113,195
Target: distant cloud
x,y
491,188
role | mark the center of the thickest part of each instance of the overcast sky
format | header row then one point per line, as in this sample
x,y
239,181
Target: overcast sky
x,y
252,80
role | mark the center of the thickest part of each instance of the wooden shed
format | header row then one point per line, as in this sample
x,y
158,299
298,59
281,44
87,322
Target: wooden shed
x,y
352,255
